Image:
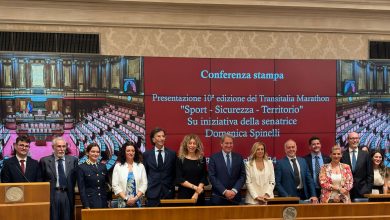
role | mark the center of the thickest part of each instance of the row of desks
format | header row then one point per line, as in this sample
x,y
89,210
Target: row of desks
x,y
273,201
361,210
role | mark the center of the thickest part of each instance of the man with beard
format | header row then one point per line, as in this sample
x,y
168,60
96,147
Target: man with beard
x,y
58,169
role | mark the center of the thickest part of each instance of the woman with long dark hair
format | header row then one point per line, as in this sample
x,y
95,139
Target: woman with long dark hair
x,y
129,181
380,176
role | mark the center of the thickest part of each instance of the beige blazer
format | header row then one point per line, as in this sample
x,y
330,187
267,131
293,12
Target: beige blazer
x,y
259,184
119,178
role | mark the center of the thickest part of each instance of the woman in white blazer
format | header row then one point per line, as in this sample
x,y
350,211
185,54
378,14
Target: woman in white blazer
x,y
129,181
260,177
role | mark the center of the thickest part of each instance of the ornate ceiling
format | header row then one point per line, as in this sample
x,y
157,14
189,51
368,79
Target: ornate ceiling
x,y
332,16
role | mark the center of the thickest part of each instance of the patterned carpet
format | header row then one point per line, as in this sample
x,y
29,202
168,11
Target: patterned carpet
x,y
37,152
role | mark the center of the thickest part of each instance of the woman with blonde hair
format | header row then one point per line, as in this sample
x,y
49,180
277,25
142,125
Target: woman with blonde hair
x,y
191,171
336,179
260,177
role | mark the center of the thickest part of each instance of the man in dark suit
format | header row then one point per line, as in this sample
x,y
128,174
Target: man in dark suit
x,y
292,176
21,168
160,167
315,159
227,174
58,169
360,163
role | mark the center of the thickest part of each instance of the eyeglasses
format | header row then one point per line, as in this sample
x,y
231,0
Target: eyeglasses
x,y
353,138
24,146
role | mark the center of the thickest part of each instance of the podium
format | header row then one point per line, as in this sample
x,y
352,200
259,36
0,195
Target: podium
x,y
20,201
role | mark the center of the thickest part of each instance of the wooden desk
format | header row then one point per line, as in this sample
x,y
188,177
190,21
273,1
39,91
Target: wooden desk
x,y
177,202
283,200
378,197
35,205
304,211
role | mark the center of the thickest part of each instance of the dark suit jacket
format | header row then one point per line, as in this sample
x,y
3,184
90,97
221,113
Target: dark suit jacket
x,y
221,180
49,174
284,177
309,162
363,176
92,183
161,182
12,172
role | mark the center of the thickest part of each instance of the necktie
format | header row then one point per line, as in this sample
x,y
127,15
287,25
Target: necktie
x,y
228,165
22,166
353,160
160,161
316,169
296,172
61,174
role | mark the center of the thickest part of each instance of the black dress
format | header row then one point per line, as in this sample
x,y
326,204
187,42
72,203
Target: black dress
x,y
193,171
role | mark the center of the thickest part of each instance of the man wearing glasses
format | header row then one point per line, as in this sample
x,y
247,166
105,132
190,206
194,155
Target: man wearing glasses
x,y
21,168
360,163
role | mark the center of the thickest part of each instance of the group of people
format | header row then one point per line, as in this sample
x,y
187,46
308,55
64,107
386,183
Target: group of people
x,y
341,177
58,169
152,176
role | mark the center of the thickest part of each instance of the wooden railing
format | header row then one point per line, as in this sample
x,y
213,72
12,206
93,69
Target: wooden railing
x,y
368,210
